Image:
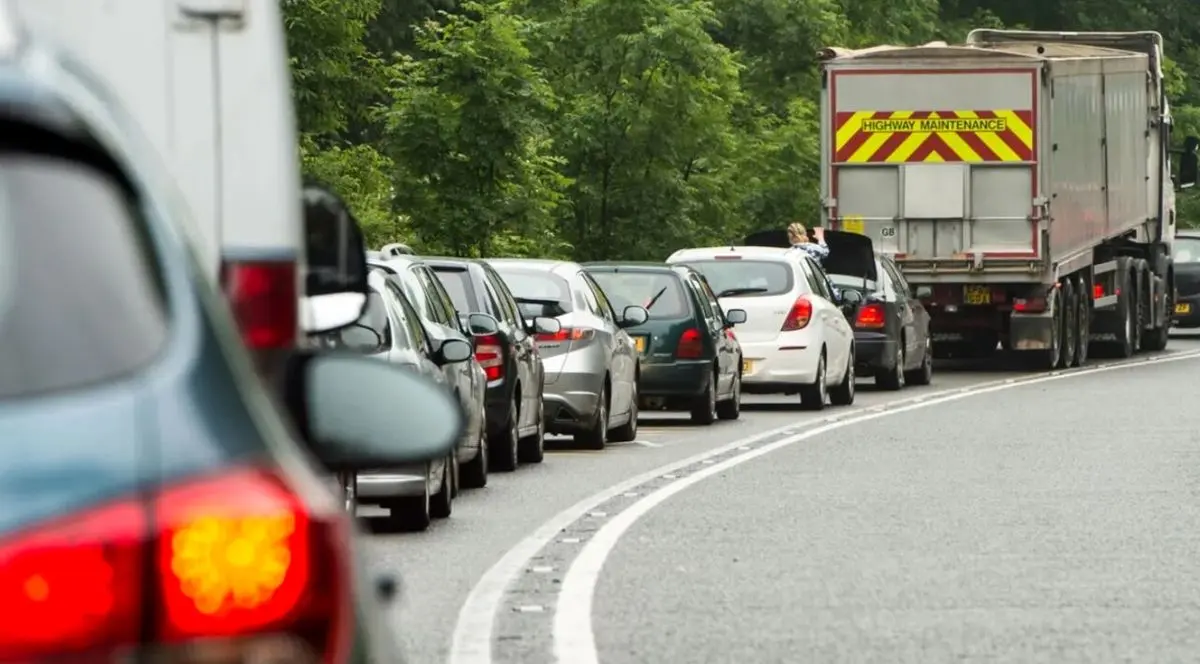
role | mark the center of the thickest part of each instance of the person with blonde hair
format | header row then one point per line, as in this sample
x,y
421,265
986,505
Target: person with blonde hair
x,y
798,236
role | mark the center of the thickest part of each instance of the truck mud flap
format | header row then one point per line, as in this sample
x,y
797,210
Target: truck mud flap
x,y
1105,285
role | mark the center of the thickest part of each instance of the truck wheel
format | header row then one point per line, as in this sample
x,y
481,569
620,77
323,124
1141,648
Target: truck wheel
x,y
1083,321
1156,338
1128,338
1050,358
1070,309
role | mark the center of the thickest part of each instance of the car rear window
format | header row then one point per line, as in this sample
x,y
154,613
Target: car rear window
x,y
458,284
660,293
538,293
1187,250
81,300
773,277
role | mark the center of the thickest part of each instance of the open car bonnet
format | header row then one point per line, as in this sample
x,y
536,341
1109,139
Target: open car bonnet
x,y
850,254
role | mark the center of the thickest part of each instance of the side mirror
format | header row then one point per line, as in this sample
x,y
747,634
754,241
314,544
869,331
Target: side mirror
x,y
452,351
851,297
480,324
633,316
361,337
359,413
1188,163
335,286
545,325
735,316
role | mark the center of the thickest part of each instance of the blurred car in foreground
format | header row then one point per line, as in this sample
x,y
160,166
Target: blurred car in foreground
x,y
1187,279
690,358
796,338
390,331
509,357
409,276
163,481
892,342
591,364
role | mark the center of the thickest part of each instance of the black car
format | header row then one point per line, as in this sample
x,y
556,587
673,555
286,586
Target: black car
x,y
690,359
510,359
891,326
1187,278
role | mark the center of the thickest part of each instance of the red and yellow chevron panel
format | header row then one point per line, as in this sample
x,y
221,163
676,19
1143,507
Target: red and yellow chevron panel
x,y
899,137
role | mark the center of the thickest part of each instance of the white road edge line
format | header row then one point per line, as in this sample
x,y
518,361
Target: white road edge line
x,y
574,641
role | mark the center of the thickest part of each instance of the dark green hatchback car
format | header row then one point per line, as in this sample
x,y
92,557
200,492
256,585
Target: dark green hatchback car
x,y
690,358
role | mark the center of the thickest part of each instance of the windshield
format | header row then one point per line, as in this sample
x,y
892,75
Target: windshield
x,y
551,292
659,292
765,277
1187,250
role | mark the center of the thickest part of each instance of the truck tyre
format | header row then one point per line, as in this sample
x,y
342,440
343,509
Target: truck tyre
x,y
1049,359
1127,335
1156,338
1083,321
1070,329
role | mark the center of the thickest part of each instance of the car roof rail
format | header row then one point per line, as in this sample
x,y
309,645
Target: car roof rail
x,y
396,249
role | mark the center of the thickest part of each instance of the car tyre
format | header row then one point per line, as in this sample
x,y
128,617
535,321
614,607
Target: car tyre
x,y
532,448
704,409
731,408
411,513
924,374
843,393
596,437
628,432
812,397
474,474
442,502
505,449
894,378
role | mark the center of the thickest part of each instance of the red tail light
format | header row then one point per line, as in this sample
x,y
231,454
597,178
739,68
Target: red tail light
x,y
567,334
798,317
870,315
490,355
1097,291
1029,305
691,345
238,557
264,299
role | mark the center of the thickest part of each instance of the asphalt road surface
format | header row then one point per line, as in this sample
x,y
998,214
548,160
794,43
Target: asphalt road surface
x,y
996,515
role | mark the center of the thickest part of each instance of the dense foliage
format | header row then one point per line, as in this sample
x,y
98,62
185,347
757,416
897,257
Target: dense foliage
x,y
598,128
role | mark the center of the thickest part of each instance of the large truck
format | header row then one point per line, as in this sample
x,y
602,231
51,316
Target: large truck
x,y
1023,182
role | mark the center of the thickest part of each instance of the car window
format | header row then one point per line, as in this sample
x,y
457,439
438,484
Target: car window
x,y
434,306
506,307
545,293
713,302
899,283
706,309
659,292
814,282
404,311
458,285
1187,250
773,277
606,308
96,316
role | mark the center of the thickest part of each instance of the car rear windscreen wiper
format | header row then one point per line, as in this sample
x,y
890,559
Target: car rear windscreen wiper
x,y
734,292
654,299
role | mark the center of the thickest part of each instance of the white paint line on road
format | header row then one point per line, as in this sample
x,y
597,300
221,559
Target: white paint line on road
x,y
474,630
646,443
574,638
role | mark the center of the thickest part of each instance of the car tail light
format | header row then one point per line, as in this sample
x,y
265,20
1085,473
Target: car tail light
x,y
218,570
870,315
691,345
798,317
489,353
1029,305
264,299
567,334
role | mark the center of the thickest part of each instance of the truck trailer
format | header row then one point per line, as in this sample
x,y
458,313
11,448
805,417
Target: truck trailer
x,y
1022,181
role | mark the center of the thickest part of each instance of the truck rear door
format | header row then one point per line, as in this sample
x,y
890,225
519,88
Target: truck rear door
x,y
934,165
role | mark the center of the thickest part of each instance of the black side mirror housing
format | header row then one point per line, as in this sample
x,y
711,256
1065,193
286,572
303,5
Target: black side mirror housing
x,y
337,263
356,412
633,316
452,351
480,324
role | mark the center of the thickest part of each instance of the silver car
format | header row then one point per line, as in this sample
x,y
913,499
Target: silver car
x,y
590,364
390,330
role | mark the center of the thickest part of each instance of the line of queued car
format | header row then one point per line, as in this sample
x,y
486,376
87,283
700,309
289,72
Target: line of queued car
x,y
531,347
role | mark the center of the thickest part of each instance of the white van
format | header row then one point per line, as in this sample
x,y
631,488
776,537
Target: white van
x,y
208,82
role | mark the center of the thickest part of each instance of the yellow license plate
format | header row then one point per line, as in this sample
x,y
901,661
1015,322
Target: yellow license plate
x,y
640,344
747,366
977,295
1183,308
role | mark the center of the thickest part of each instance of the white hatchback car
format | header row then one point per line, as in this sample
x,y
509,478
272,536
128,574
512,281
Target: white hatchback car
x,y
796,339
